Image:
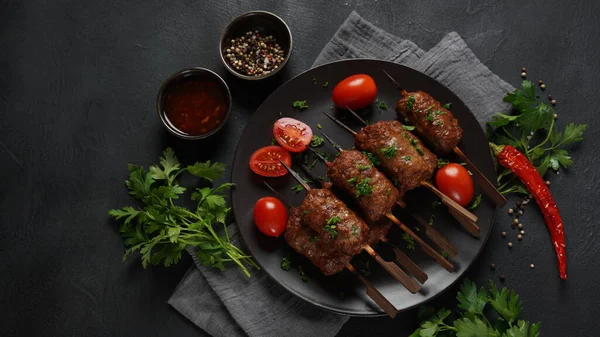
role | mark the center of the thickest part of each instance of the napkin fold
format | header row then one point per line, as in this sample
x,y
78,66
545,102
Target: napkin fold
x,y
230,304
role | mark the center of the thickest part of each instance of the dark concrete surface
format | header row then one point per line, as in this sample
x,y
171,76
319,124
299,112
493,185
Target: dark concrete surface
x,y
78,81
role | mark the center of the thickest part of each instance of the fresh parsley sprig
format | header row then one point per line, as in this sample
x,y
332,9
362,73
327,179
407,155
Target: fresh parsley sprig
x,y
532,130
471,318
160,229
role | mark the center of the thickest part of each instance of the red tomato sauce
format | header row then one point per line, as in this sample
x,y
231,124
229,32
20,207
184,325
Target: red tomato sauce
x,y
195,107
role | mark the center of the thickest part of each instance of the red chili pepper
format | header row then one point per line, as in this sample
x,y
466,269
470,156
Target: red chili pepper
x,y
515,161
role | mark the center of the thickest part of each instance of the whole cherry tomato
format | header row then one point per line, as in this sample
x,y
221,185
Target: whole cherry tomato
x,y
270,216
355,92
455,182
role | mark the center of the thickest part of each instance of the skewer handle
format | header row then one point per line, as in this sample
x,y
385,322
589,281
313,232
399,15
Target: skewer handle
x,y
436,236
467,224
393,269
408,264
488,187
374,294
424,246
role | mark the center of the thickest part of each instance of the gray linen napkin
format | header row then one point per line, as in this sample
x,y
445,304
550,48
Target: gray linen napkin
x,y
227,303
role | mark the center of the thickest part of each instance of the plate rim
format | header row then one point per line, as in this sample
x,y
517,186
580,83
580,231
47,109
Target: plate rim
x,y
291,289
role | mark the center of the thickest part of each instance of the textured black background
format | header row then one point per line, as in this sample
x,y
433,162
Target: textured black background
x,y
78,83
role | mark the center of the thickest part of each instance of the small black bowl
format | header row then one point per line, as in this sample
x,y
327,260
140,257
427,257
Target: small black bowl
x,y
196,73
267,24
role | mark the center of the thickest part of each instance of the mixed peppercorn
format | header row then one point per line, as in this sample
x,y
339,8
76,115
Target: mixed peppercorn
x,y
254,55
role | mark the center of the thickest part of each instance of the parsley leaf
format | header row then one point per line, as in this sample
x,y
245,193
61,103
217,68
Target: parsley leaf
x,y
410,102
475,203
317,141
447,106
301,105
408,127
390,151
383,106
523,329
470,299
363,188
475,327
302,274
441,162
330,226
297,188
410,242
372,158
206,170
354,230
362,167
286,262
505,302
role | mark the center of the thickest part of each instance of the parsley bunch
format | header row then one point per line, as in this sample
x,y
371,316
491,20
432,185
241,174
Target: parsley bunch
x,y
532,130
471,319
160,230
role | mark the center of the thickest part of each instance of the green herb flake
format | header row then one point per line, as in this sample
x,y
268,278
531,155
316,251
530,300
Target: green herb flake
x,y
301,105
410,102
410,242
354,230
430,117
440,112
445,255
383,106
325,84
317,141
302,274
431,221
419,150
273,142
363,188
305,212
388,191
407,158
286,262
314,239
438,123
372,158
390,151
297,188
441,162
408,127
475,203
353,180
330,226
447,106
362,167
319,126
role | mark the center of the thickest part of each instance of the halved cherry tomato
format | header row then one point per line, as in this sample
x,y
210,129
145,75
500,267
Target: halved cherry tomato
x,y
265,161
292,134
270,216
456,182
355,92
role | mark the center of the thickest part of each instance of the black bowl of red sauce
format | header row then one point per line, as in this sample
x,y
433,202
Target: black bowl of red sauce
x,y
194,103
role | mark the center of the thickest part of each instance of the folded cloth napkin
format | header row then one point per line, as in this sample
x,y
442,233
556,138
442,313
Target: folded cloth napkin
x,y
229,304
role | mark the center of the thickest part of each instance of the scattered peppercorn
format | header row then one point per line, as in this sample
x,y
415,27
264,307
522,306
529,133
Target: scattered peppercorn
x,y
522,232
549,97
547,182
515,221
501,277
520,225
555,116
543,86
523,74
503,234
519,202
524,69
493,266
520,212
254,55
540,82
510,211
553,102
519,236
510,245
531,266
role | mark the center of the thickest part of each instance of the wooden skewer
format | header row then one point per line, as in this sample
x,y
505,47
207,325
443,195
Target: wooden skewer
x,y
424,245
488,187
372,292
407,263
462,215
401,258
395,271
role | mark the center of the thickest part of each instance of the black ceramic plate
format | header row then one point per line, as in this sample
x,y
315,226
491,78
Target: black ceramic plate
x,y
343,293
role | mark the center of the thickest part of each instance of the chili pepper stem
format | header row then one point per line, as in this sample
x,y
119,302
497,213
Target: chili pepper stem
x,y
496,149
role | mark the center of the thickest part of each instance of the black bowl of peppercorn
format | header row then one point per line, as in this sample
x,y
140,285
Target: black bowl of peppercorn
x,y
256,45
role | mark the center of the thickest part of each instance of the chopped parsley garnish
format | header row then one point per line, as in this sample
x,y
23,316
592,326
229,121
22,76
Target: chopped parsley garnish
x,y
441,162
383,106
319,126
372,158
302,274
474,203
362,167
410,102
300,105
297,188
312,165
414,143
353,180
395,182
430,107
317,141
406,158
354,230
363,188
273,142
440,112
388,192
430,117
390,151
431,221
408,127
331,226
286,262
305,211
447,106
325,84
419,150
444,254
410,242
438,123
314,239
